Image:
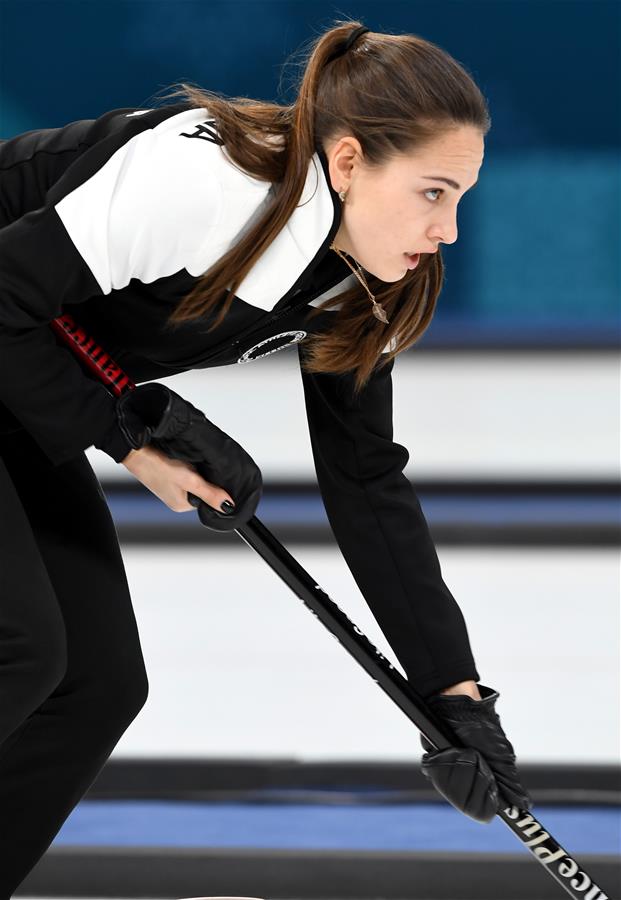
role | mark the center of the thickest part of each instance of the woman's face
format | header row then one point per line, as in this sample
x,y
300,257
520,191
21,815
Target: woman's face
x,y
405,206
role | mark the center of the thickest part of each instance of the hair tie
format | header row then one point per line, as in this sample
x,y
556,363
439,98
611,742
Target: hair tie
x,y
351,39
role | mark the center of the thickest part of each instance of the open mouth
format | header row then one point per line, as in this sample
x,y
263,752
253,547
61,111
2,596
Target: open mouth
x,y
412,260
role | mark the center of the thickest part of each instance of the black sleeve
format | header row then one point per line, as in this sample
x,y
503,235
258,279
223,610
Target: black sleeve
x,y
41,381
380,528
140,203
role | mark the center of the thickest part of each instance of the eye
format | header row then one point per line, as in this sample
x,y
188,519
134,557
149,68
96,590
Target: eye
x,y
434,191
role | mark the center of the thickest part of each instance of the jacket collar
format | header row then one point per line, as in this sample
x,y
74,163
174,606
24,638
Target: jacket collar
x,y
288,263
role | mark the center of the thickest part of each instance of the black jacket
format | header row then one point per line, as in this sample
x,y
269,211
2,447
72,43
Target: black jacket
x,y
113,220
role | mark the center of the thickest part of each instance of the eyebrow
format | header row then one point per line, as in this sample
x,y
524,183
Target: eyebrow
x,y
449,181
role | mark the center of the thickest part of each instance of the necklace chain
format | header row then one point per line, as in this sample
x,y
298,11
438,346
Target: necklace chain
x,y
378,309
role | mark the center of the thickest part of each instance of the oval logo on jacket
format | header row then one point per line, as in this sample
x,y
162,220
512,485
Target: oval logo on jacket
x,y
271,345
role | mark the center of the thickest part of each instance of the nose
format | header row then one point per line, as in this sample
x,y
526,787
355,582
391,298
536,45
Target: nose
x,y
445,231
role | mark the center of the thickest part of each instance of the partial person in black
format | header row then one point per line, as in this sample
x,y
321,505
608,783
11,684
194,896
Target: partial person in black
x,y
247,228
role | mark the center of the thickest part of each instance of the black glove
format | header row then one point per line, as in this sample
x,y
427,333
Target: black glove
x,y
480,779
153,414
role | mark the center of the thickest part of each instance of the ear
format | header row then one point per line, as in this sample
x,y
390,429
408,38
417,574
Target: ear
x,y
343,155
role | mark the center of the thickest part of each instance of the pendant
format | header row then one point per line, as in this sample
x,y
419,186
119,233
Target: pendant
x,y
379,312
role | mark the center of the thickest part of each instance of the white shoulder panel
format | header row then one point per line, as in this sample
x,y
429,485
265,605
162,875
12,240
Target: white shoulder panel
x,y
390,346
150,210
295,246
345,285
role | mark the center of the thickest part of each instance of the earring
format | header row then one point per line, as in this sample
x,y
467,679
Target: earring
x,y
342,195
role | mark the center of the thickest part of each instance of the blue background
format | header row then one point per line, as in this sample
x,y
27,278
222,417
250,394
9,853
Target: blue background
x,y
537,258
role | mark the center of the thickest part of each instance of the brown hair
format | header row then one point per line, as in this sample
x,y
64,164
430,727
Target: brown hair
x,y
400,93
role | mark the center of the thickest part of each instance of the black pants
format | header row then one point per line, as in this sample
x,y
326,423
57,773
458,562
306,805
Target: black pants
x,y
72,675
